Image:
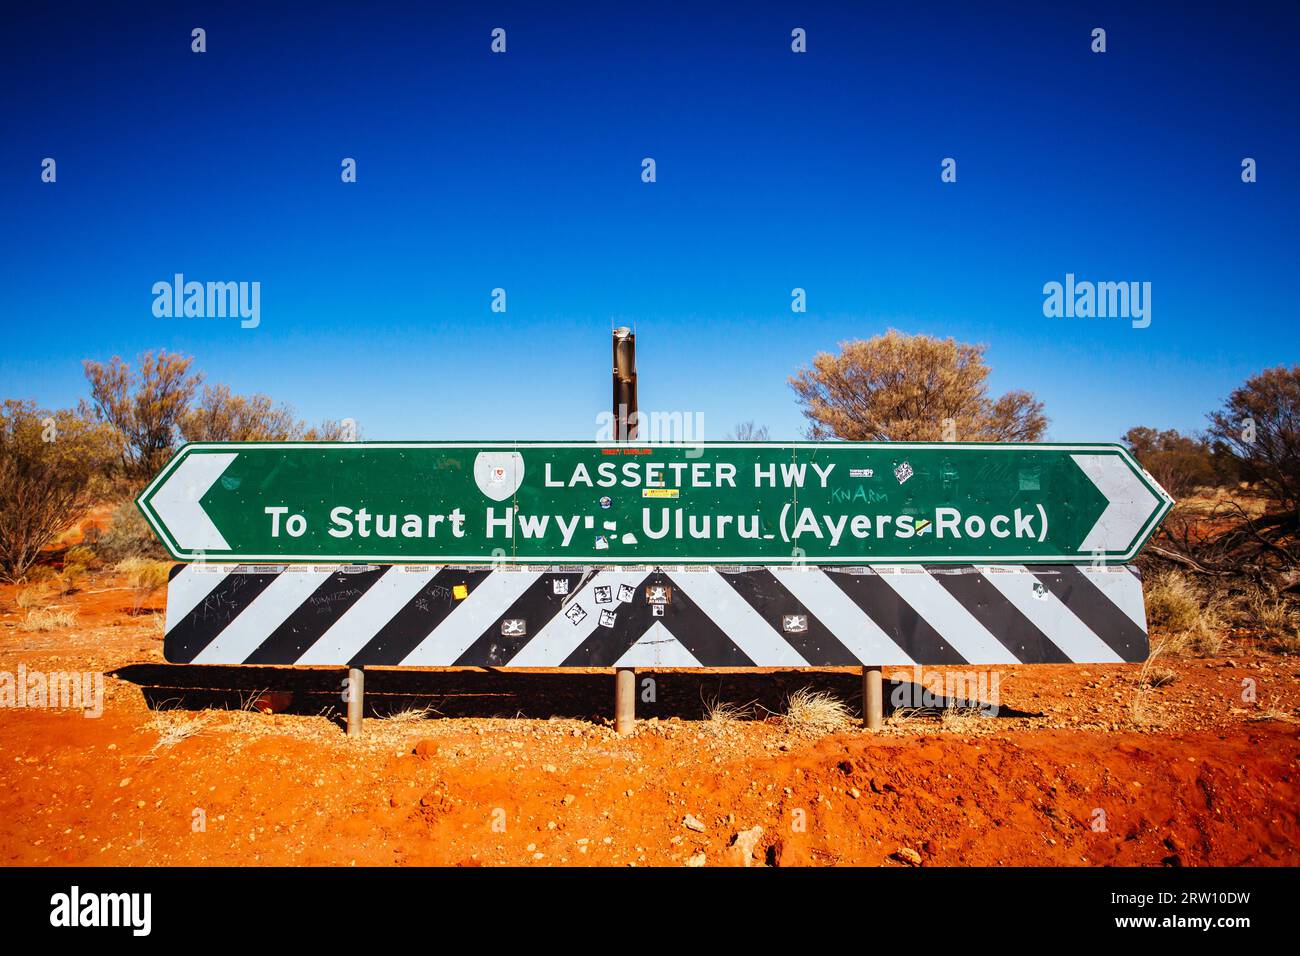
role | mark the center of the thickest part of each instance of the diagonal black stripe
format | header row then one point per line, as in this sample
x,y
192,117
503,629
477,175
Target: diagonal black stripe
x,y
699,634
682,618
1097,612
605,645
764,592
409,627
213,614
999,616
536,607
314,616
898,619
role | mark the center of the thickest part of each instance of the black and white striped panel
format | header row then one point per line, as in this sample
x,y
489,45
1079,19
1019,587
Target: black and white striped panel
x,y
565,616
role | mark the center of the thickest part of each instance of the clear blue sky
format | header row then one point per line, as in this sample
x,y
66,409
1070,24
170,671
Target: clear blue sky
x,y
522,171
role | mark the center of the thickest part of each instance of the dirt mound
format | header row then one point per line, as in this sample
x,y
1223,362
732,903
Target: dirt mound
x,y
1085,765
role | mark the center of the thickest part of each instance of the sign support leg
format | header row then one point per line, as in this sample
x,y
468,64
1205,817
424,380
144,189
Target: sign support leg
x,y
625,422
873,698
356,699
624,700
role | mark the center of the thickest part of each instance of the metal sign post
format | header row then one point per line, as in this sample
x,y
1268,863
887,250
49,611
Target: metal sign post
x,y
626,418
873,698
356,700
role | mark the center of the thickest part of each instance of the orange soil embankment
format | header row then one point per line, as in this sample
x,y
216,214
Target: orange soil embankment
x,y
87,792
1090,768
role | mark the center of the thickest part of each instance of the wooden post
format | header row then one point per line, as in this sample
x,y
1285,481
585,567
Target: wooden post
x,y
356,699
873,698
624,700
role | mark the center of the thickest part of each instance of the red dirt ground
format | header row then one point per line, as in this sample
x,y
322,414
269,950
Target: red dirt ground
x,y
1099,770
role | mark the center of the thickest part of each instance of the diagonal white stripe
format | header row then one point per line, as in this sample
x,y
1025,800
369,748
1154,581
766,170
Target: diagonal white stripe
x,y
657,647
746,628
364,619
190,586
259,620
815,589
944,613
1122,587
560,637
462,627
1049,615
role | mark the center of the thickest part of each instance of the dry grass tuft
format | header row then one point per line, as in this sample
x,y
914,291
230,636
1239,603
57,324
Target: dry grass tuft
x,y
721,716
40,574
173,726
1160,677
1275,616
1148,679
49,619
1190,618
143,577
80,555
963,720
251,702
816,712
76,564
410,714
31,597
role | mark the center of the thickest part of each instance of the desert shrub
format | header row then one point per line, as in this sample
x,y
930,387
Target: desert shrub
x,y
898,387
221,415
128,536
51,466
1259,426
1180,463
144,406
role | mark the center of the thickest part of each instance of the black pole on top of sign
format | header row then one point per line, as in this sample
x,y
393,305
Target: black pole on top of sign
x,y
625,413
625,427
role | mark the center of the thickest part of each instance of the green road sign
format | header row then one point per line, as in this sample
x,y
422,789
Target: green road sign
x,y
713,503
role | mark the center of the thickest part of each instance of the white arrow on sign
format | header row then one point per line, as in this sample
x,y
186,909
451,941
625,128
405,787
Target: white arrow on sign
x,y
1129,502
177,502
